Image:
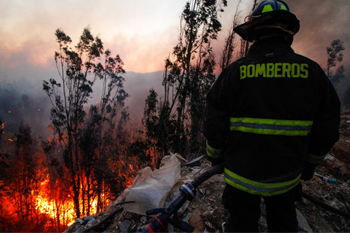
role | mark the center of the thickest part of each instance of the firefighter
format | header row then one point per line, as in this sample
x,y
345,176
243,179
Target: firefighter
x,y
271,116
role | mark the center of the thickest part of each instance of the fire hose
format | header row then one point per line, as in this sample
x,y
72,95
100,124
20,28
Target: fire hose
x,y
169,213
188,192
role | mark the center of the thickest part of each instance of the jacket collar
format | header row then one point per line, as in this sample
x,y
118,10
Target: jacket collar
x,y
269,45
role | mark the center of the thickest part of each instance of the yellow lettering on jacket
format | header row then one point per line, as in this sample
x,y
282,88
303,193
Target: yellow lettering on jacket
x,y
295,70
250,71
278,67
259,70
243,72
269,70
274,70
286,70
304,70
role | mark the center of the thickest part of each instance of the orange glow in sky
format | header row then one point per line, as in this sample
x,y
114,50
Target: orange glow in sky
x,y
143,33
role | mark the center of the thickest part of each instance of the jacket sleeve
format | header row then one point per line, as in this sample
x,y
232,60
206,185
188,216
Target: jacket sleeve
x,y
216,118
325,130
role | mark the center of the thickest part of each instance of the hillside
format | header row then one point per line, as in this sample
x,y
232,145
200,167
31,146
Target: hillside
x,y
330,186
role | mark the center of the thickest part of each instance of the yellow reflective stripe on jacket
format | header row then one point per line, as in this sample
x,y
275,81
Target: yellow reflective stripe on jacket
x,y
258,188
270,126
212,152
314,159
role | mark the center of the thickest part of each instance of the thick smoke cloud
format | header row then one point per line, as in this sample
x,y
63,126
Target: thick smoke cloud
x,y
22,99
24,102
321,22
29,62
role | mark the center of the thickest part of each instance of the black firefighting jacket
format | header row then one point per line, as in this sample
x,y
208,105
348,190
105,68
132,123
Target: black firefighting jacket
x,y
271,113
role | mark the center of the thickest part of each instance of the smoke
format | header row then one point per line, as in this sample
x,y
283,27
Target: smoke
x,y
138,86
22,99
25,64
24,102
143,54
321,22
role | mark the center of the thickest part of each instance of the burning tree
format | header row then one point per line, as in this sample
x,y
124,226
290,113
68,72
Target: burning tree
x,y
22,172
84,138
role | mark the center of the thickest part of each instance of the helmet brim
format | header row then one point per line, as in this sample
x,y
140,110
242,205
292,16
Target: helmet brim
x,y
291,22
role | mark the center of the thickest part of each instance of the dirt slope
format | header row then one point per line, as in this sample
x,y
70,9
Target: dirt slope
x,y
206,213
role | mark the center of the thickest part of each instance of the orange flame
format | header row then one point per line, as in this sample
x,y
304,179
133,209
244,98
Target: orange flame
x,y
128,180
64,210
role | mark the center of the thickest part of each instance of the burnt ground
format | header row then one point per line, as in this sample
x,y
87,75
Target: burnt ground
x,y
206,213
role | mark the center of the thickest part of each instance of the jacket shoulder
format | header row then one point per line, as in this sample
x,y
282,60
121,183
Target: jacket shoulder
x,y
235,65
309,61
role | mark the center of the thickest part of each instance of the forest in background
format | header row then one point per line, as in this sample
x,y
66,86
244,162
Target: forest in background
x,y
92,153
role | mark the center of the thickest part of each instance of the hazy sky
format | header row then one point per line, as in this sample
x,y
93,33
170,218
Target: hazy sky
x,y
143,32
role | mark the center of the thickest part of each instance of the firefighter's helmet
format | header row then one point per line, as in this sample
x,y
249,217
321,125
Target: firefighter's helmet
x,y
268,14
